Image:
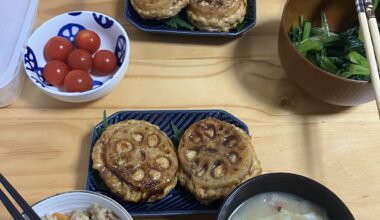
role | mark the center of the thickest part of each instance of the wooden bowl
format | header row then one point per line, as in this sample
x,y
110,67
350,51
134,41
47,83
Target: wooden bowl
x,y
319,83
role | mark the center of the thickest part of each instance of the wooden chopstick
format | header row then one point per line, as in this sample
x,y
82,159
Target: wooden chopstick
x,y
369,48
18,198
373,28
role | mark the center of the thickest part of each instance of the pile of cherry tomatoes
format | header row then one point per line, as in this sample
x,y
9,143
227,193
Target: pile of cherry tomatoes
x,y
70,66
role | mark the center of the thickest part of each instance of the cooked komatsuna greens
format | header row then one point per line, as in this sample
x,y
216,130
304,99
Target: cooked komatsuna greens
x,y
342,54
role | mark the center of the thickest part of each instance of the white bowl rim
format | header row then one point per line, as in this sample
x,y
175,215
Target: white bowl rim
x,y
86,192
74,94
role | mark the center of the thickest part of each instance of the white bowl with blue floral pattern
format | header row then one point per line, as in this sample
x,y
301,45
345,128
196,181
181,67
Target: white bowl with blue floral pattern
x,y
113,37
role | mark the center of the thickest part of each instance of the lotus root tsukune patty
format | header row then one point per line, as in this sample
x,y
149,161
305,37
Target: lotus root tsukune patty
x,y
214,158
136,160
158,9
216,15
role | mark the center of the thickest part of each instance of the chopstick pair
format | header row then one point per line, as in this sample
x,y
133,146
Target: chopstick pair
x,y
370,30
17,197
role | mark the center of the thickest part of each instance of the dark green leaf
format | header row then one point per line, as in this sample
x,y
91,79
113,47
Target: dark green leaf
x,y
337,60
360,77
177,22
308,45
240,26
177,134
105,122
326,64
296,33
100,185
375,4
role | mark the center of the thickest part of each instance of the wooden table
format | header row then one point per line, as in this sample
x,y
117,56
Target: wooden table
x,y
45,143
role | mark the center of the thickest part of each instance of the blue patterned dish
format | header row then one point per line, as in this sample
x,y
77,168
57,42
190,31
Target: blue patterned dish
x,y
113,37
179,201
159,27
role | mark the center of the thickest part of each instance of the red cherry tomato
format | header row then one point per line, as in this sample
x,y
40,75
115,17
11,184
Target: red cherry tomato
x,y
57,48
55,71
104,62
87,40
80,59
77,81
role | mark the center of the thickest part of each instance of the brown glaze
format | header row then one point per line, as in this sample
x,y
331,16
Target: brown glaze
x,y
213,163
130,157
315,81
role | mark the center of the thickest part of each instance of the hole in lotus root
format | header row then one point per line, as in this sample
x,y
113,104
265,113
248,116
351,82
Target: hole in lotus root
x,y
190,154
123,147
233,157
137,137
219,170
138,175
122,162
194,164
201,170
155,174
143,155
163,162
231,141
209,131
195,138
153,140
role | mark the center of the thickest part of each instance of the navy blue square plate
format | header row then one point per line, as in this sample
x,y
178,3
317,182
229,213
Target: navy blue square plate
x,y
160,27
179,201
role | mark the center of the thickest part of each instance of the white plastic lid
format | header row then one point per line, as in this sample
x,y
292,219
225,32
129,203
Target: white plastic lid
x,y
16,21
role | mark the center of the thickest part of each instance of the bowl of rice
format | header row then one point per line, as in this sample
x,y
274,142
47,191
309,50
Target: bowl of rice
x,y
80,205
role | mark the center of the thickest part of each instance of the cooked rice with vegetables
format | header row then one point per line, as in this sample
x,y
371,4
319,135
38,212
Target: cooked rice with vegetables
x,y
95,213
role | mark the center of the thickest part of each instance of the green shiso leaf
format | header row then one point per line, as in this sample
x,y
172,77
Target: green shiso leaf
x,y
177,134
177,22
105,123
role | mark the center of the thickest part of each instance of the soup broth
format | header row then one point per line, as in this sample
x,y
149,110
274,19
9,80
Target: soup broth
x,y
278,206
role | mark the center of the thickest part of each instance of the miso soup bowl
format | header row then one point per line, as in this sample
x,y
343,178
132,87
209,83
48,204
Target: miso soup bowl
x,y
301,186
327,87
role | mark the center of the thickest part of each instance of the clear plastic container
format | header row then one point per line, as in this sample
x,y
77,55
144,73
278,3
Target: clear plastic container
x,y
16,22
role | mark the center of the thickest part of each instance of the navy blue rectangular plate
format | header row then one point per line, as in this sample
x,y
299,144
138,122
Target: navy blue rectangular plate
x,y
179,201
160,27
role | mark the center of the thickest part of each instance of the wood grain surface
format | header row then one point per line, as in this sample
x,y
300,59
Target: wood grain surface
x,y
44,143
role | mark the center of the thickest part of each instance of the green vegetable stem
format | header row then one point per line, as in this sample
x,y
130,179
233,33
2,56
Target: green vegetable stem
x,y
342,54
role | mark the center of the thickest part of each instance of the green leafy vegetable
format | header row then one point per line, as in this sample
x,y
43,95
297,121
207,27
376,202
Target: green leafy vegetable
x,y
296,33
351,42
306,30
105,122
326,64
241,25
358,59
177,134
342,54
100,185
308,45
177,22
325,24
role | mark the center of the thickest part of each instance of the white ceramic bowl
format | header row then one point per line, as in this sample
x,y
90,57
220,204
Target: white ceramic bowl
x,y
78,200
113,37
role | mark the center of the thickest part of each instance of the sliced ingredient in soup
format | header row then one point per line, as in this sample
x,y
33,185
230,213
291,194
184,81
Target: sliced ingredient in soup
x,y
278,206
